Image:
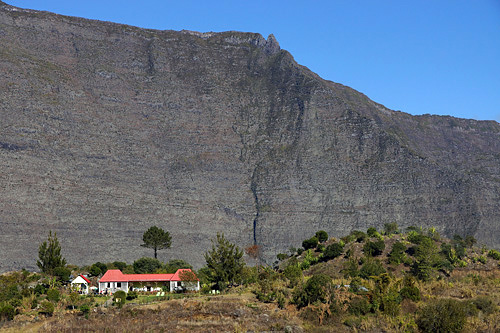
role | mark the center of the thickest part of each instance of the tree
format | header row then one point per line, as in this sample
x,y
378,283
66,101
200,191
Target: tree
x,y
224,261
173,265
146,265
49,255
157,239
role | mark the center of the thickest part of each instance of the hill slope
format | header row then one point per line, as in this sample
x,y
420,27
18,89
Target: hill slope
x,y
108,129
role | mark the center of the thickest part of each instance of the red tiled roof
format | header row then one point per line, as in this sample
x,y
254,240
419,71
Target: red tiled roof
x,y
115,275
83,277
176,276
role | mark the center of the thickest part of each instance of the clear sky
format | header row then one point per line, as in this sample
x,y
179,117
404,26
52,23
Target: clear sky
x,y
425,56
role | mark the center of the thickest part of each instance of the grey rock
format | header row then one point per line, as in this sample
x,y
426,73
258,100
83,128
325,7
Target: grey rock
x,y
108,129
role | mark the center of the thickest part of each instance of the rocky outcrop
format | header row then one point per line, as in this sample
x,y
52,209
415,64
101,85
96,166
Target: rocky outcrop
x,y
109,129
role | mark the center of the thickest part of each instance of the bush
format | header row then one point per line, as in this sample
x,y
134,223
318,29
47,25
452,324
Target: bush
x,y
322,236
359,236
310,243
373,249
444,315
484,304
85,310
53,295
62,273
371,232
46,308
397,254
371,268
294,274
391,228
359,306
494,254
119,298
318,288
332,251
40,289
411,293
131,295
7,311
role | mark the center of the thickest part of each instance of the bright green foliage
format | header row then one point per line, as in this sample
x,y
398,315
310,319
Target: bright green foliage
x,y
372,267
146,265
332,251
373,249
157,239
53,295
224,261
494,254
49,255
310,243
444,315
322,236
173,265
318,288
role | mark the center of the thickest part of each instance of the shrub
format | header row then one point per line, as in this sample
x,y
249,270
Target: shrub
x,y
320,248
120,265
359,236
310,243
373,249
359,306
371,232
332,251
7,311
40,289
411,293
494,254
53,295
318,288
119,298
62,273
391,228
46,308
484,304
444,315
370,268
397,254
294,274
85,310
131,295
482,259
322,236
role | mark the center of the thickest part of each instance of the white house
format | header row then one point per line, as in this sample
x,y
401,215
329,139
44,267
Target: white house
x,y
80,284
114,280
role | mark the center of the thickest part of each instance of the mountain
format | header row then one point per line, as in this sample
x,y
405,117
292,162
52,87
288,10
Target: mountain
x,y
108,129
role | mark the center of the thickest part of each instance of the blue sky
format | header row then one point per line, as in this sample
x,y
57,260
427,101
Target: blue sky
x,y
426,56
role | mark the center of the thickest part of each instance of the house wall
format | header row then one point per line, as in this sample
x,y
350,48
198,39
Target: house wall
x,y
113,286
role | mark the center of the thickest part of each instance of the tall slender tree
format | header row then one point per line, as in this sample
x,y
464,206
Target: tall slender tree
x,y
224,261
157,239
49,255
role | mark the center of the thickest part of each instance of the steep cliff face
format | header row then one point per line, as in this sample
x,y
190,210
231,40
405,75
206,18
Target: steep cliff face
x,y
107,129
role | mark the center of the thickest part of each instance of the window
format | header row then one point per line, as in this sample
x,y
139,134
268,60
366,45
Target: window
x,y
109,284
118,285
